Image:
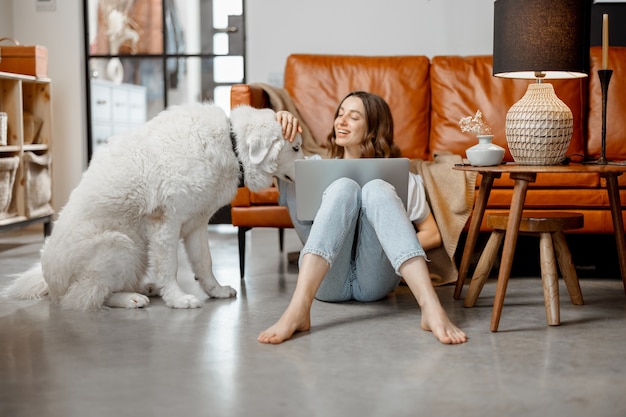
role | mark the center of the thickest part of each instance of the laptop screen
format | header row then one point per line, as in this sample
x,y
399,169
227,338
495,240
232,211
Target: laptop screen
x,y
313,176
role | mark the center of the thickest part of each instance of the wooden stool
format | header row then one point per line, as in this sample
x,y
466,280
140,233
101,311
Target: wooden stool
x,y
549,226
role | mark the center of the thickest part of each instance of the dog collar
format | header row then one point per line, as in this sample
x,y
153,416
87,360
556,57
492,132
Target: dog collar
x,y
233,141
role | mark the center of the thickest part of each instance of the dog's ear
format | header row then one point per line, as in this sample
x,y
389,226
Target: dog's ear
x,y
260,148
261,133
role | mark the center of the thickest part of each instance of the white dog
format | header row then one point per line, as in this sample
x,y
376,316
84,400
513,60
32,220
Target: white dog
x,y
145,191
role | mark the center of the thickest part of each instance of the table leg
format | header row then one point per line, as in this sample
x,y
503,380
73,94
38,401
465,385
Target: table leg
x,y
510,240
474,228
618,223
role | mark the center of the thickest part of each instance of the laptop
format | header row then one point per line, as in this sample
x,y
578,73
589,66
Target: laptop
x,y
313,176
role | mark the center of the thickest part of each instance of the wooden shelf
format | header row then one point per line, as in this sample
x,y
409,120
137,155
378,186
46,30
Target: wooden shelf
x,y
25,162
35,147
9,149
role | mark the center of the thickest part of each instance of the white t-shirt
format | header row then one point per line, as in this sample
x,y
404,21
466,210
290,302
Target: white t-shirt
x,y
417,206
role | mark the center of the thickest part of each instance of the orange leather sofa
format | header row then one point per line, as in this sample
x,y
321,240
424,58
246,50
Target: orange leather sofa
x,y
428,97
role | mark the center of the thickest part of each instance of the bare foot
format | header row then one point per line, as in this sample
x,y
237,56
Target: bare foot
x,y
294,319
436,321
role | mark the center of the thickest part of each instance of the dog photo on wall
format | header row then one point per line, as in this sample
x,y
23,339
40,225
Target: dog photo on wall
x,y
117,237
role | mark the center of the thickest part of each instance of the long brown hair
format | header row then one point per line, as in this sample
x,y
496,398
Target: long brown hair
x,y
378,141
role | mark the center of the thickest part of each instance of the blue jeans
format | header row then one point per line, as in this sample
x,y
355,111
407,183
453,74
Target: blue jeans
x,y
363,233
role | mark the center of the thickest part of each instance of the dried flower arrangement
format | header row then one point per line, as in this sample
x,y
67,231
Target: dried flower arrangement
x,y
475,124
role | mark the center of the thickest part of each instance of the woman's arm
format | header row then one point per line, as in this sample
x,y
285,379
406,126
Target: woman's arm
x,y
428,233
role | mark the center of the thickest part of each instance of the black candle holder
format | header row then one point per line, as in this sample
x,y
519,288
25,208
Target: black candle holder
x,y
605,78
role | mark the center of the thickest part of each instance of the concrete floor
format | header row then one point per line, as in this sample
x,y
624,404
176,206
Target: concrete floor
x,y
358,359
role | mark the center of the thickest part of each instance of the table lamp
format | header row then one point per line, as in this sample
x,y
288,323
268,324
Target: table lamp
x,y
540,40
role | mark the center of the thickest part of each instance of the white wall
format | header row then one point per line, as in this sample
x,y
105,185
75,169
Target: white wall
x,y
6,18
275,29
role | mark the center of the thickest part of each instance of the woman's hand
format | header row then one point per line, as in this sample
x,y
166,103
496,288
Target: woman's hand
x,y
290,124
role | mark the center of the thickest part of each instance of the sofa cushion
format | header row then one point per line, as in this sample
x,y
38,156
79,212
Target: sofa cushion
x,y
317,83
265,196
462,85
615,109
261,216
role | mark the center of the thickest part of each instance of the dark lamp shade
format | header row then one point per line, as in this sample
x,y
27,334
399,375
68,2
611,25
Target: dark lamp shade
x,y
547,36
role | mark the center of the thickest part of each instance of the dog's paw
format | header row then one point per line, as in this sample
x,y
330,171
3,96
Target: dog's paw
x,y
185,301
223,291
127,300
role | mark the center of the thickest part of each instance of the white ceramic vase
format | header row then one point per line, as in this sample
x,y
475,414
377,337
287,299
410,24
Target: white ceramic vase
x,y
485,153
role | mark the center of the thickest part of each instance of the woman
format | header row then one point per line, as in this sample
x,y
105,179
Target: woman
x,y
362,241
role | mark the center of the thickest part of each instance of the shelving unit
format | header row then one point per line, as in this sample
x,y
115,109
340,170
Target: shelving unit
x,y
25,161
115,108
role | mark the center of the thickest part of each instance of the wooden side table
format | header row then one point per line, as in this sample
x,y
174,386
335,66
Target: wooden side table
x,y
523,175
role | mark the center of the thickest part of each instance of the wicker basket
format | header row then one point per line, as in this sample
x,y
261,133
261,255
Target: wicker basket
x,y
38,185
539,127
8,168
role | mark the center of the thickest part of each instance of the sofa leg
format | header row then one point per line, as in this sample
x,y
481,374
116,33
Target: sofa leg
x,y
241,237
281,239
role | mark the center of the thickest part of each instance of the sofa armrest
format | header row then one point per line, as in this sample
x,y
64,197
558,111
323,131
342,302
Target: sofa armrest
x,y
249,95
264,200
244,94
242,198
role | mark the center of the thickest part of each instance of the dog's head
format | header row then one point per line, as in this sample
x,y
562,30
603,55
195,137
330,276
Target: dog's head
x,y
262,149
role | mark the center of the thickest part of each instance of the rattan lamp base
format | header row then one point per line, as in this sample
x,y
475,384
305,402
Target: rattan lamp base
x,y
539,127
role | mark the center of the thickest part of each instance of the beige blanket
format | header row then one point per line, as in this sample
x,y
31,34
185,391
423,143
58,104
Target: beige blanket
x,y
450,192
451,197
